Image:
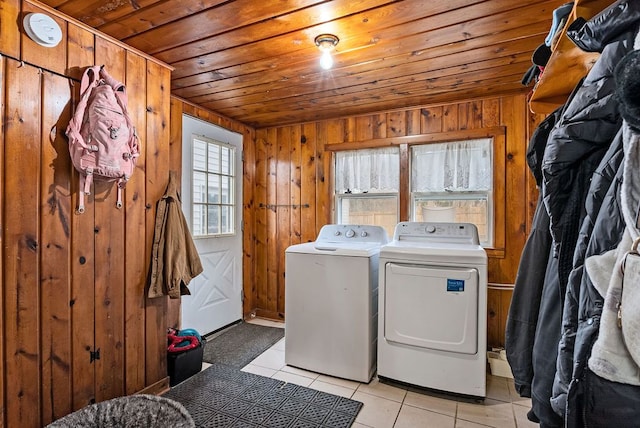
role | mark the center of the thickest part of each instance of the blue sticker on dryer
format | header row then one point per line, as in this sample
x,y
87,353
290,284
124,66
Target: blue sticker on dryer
x,y
455,284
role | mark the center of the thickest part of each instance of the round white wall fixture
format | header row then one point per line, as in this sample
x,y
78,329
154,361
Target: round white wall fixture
x,y
42,29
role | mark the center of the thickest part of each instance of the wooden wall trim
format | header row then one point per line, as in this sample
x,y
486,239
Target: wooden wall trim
x,y
439,137
54,12
157,388
211,116
3,345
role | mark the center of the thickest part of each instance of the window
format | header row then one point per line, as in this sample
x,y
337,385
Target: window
x,y
367,186
452,182
456,176
213,187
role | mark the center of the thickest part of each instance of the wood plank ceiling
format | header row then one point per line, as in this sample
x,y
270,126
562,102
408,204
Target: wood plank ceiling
x,y
256,61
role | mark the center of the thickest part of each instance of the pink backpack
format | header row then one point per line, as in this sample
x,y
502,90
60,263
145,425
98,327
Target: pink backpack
x,y
102,140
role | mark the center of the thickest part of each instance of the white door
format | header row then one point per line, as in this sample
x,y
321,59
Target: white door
x,y
212,205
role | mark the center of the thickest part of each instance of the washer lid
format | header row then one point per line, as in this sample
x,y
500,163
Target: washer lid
x,y
434,252
351,249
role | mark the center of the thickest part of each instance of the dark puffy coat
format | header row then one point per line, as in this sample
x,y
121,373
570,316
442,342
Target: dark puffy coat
x,y
527,294
543,360
599,31
600,207
545,347
581,321
588,124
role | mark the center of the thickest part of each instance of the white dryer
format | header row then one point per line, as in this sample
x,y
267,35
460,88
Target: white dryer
x,y
331,302
433,308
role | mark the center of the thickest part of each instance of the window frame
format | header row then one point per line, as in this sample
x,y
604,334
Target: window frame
x,y
497,133
369,194
457,195
232,177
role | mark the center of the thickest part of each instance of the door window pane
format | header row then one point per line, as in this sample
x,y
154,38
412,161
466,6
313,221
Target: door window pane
x,y
213,219
199,219
213,190
199,186
199,155
225,190
225,219
226,163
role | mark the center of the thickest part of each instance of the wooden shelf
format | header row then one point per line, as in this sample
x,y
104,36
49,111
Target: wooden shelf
x,y
567,64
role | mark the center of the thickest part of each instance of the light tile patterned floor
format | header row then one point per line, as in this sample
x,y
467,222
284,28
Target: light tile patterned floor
x,y
387,406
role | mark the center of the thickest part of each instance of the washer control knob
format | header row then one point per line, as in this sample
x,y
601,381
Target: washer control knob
x,y
350,233
364,234
337,233
431,228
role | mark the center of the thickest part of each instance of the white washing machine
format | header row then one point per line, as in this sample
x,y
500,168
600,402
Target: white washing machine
x,y
433,308
331,302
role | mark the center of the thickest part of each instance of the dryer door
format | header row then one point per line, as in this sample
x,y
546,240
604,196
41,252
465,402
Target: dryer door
x,y
431,307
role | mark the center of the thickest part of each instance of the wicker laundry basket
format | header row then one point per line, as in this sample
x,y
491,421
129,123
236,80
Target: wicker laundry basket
x,y
133,411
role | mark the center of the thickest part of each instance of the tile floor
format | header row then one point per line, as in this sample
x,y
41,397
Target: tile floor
x,y
387,406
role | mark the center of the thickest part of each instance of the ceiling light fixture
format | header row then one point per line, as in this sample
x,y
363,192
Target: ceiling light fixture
x,y
326,43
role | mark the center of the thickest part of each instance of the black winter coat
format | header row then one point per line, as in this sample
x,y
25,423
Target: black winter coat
x,y
582,309
527,294
581,322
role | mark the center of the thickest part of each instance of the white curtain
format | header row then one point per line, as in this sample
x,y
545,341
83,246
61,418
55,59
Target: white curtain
x,y
455,167
368,170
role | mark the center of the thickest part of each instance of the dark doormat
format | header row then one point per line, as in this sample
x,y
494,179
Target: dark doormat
x,y
223,396
239,344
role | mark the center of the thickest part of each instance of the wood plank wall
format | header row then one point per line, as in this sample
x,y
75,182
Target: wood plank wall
x,y
74,284
293,194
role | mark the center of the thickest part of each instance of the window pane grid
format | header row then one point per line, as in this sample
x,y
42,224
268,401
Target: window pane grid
x,y
368,171
460,208
367,186
379,210
453,182
448,182
213,188
454,166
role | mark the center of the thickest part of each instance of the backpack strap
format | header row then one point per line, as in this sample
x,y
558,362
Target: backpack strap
x,y
118,87
80,209
122,182
119,201
84,188
90,79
